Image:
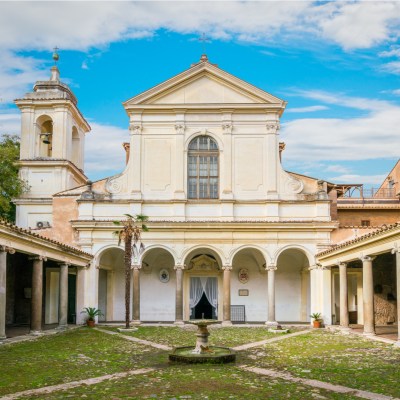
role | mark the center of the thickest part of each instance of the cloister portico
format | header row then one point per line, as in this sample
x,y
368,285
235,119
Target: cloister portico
x,y
36,279
366,251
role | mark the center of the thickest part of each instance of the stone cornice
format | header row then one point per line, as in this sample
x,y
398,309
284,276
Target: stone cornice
x,y
32,243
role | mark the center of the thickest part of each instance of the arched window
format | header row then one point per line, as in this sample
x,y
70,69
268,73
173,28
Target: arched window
x,y
76,150
203,171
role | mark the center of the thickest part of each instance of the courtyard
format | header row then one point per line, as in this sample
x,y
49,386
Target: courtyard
x,y
103,363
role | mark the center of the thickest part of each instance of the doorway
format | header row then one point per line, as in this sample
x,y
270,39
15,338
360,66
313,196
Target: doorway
x,y
203,298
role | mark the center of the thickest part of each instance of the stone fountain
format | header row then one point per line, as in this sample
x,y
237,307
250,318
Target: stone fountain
x,y
202,352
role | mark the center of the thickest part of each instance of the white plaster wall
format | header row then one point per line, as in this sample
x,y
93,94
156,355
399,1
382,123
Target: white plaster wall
x,y
287,293
157,299
256,302
119,295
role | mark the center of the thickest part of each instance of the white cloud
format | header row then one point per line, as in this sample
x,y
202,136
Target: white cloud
x,y
337,168
363,179
306,109
365,137
10,123
340,99
360,24
104,154
392,67
81,26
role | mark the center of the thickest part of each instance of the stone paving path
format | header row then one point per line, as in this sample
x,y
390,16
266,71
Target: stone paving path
x,y
275,339
69,385
133,339
317,384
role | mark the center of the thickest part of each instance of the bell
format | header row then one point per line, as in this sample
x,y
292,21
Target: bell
x,y
46,138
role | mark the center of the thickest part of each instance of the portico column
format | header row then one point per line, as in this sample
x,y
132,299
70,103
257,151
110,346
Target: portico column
x,y
226,310
3,288
368,296
63,303
136,294
37,294
344,307
179,295
271,296
396,251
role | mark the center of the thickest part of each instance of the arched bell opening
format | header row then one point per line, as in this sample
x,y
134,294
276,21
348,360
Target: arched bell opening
x,y
44,126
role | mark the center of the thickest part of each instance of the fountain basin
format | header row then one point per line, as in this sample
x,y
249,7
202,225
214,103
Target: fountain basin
x,y
215,354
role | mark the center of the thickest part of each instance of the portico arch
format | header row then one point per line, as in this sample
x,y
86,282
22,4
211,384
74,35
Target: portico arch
x,y
157,284
292,284
111,283
249,282
202,283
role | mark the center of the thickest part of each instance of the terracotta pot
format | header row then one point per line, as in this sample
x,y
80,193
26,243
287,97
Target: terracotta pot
x,y
90,323
317,324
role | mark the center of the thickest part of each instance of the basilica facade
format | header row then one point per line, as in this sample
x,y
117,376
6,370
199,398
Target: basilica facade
x,y
232,235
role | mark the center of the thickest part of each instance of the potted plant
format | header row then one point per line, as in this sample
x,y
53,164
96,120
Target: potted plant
x,y
317,319
92,313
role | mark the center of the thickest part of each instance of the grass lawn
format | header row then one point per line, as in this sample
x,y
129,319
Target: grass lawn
x,y
83,353
226,336
332,357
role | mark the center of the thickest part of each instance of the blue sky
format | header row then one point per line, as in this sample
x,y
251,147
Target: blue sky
x,y
336,63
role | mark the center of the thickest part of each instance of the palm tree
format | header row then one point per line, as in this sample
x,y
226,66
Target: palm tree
x,y
130,232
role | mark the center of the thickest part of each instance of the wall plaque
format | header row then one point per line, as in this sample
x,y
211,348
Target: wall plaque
x,y
243,292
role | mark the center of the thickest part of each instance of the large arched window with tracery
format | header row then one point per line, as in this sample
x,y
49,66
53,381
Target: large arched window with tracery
x,y
203,171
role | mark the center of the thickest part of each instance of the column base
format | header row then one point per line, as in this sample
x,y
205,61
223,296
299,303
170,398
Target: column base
x,y
272,324
179,323
62,327
226,323
135,322
36,333
369,334
2,338
345,329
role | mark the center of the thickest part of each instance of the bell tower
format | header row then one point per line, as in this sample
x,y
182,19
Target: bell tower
x,y
52,147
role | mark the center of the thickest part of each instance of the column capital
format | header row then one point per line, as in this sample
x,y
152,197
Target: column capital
x,y
135,128
38,257
315,266
7,249
341,264
227,127
136,267
396,249
271,267
179,266
367,258
227,267
64,263
180,128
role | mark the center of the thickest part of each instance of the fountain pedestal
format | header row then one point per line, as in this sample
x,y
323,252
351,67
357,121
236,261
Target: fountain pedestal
x,y
202,352
202,336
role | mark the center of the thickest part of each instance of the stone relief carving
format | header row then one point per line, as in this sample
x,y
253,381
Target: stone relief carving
x,y
135,129
227,127
272,126
293,185
114,184
180,129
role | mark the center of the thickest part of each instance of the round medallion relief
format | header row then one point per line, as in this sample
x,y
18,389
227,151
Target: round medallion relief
x,y
164,275
243,275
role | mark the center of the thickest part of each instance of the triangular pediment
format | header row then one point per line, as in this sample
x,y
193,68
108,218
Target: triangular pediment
x,y
204,83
